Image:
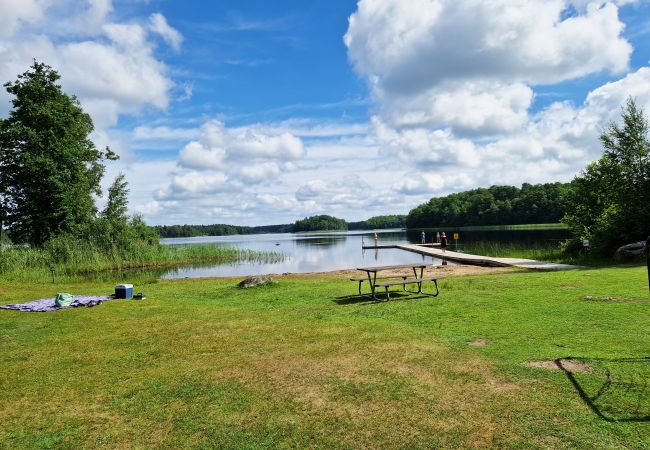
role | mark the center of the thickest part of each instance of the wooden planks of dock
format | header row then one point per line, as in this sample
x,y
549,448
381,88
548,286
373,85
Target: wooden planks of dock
x,y
478,260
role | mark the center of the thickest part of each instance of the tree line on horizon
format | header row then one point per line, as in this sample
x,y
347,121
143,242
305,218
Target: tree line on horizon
x,y
496,205
313,223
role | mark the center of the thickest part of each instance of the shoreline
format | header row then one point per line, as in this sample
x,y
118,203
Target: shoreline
x,y
456,270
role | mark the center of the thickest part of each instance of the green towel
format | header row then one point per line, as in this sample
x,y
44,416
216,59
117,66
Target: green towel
x,y
63,299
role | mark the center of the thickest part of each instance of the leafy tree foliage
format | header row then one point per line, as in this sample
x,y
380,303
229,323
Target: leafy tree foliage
x,y
497,205
49,168
320,223
49,172
118,200
379,222
610,202
113,231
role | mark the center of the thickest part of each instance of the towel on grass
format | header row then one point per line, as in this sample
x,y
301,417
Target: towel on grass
x,y
49,304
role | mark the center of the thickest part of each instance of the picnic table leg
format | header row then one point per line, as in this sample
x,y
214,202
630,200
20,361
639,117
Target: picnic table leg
x,y
420,277
437,290
372,281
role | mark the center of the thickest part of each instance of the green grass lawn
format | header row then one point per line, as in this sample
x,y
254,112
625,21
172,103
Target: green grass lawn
x,y
201,363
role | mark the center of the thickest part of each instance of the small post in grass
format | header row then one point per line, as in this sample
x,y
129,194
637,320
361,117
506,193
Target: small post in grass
x,y
647,258
53,271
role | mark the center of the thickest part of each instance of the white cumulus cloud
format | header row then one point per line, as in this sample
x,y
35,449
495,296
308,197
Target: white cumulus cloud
x,y
470,65
15,13
411,46
159,25
219,145
111,66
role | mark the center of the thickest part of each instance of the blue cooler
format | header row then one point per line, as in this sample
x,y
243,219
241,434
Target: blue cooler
x,y
124,291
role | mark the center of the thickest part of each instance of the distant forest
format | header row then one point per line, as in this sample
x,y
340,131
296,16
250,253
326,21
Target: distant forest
x,y
172,231
314,223
379,222
496,205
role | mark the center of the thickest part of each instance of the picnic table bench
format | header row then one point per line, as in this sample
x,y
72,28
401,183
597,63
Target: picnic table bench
x,y
400,280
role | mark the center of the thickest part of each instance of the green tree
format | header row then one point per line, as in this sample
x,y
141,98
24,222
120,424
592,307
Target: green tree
x,y
117,202
320,223
609,201
49,168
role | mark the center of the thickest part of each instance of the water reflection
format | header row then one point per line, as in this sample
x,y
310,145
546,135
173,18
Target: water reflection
x,y
322,242
304,252
321,252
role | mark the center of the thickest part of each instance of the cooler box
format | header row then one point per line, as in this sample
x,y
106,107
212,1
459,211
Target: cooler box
x,y
124,291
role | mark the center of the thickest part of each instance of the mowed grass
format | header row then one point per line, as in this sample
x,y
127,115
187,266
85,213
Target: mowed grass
x,y
204,364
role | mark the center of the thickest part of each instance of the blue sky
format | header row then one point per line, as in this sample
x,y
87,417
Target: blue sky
x,y
255,112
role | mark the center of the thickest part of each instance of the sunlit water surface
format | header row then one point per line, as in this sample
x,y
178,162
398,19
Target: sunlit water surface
x,y
303,253
323,252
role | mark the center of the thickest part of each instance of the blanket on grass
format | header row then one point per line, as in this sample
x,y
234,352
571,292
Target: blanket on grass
x,y
48,304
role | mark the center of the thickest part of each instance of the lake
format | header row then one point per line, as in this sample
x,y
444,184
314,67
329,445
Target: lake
x,y
323,252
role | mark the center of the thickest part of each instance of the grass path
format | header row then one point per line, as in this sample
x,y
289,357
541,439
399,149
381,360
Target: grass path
x,y
201,363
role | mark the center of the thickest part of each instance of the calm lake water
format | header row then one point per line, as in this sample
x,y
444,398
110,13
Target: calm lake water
x,y
321,252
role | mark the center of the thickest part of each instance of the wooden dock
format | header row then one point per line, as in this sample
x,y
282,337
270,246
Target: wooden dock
x,y
400,246
475,260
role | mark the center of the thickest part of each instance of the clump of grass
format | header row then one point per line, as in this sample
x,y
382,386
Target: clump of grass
x,y
80,258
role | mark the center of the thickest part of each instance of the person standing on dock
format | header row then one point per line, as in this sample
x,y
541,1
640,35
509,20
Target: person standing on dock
x,y
437,237
376,239
423,237
443,241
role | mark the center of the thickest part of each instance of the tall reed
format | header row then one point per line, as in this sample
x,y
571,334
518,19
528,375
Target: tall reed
x,y
551,251
78,258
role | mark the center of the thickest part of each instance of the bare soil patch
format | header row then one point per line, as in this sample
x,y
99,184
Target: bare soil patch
x,y
570,365
444,271
478,342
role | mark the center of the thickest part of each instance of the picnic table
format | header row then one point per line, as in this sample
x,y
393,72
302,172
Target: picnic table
x,y
400,280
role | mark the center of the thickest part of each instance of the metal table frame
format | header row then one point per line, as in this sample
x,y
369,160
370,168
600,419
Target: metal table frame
x,y
372,279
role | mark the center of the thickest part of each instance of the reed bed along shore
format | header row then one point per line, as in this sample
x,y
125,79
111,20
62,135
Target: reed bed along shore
x,y
551,251
545,251
23,263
